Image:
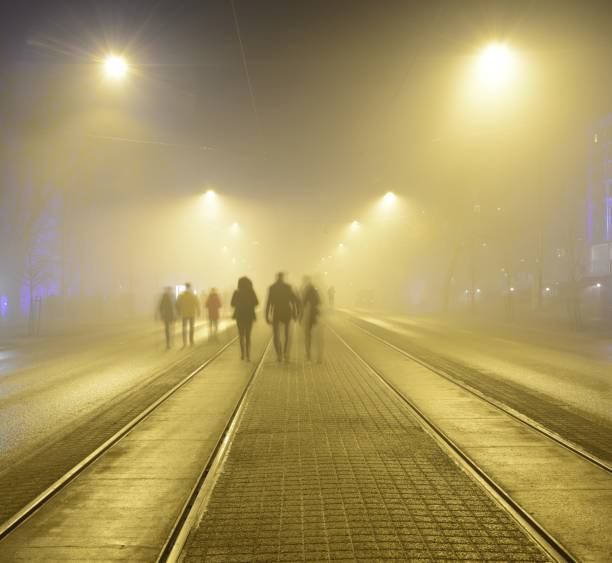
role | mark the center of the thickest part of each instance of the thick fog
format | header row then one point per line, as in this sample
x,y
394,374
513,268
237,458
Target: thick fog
x,y
368,145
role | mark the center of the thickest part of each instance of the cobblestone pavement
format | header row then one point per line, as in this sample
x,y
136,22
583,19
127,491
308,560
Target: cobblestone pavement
x,y
327,464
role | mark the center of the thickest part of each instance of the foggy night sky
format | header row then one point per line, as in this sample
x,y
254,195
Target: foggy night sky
x,y
350,94
352,98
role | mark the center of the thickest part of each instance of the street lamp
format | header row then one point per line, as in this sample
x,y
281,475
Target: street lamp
x,y
115,67
389,199
495,66
355,226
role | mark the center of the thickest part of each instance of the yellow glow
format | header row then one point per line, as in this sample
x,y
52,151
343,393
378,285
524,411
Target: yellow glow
x,y
115,67
495,66
355,226
209,204
389,199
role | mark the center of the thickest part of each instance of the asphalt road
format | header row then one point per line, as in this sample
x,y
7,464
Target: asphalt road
x,y
50,386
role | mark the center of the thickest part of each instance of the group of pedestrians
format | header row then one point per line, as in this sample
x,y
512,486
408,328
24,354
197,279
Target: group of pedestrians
x,y
187,309
283,306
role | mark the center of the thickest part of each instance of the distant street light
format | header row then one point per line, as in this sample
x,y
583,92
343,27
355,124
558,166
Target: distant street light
x,y
389,199
115,67
210,195
355,226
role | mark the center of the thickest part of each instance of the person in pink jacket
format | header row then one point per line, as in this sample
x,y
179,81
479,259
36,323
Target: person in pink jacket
x,y
213,304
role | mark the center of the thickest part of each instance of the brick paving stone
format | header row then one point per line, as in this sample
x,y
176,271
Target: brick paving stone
x,y
327,464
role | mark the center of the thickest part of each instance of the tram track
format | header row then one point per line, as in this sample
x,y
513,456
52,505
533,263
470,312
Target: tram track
x,y
551,546
201,491
524,419
61,483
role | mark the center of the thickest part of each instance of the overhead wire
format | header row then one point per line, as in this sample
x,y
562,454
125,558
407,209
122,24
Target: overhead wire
x,y
245,64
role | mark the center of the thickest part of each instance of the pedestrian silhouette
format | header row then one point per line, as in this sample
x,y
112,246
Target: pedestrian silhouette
x,y
188,308
310,312
282,306
165,310
244,302
331,296
213,304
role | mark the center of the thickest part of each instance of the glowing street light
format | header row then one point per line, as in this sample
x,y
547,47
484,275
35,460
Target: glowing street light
x,y
115,67
495,65
388,201
235,228
209,203
355,226
389,198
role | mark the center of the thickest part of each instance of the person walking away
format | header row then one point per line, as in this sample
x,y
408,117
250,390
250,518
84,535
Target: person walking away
x,y
244,302
331,295
165,310
213,304
188,308
282,306
311,303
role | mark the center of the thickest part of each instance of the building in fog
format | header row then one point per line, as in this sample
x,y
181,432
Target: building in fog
x,y
599,199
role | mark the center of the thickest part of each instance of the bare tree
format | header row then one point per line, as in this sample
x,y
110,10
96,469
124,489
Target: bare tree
x,y
29,228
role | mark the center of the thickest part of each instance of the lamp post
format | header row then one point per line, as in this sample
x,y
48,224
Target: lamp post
x,y
493,73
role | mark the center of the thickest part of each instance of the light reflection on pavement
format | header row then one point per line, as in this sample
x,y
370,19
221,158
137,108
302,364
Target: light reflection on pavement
x,y
48,386
579,374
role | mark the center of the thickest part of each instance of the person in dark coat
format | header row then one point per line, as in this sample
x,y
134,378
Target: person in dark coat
x,y
244,302
311,303
165,310
282,306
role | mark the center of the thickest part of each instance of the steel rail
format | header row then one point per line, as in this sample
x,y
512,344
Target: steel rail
x,y
551,546
20,517
200,494
516,415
